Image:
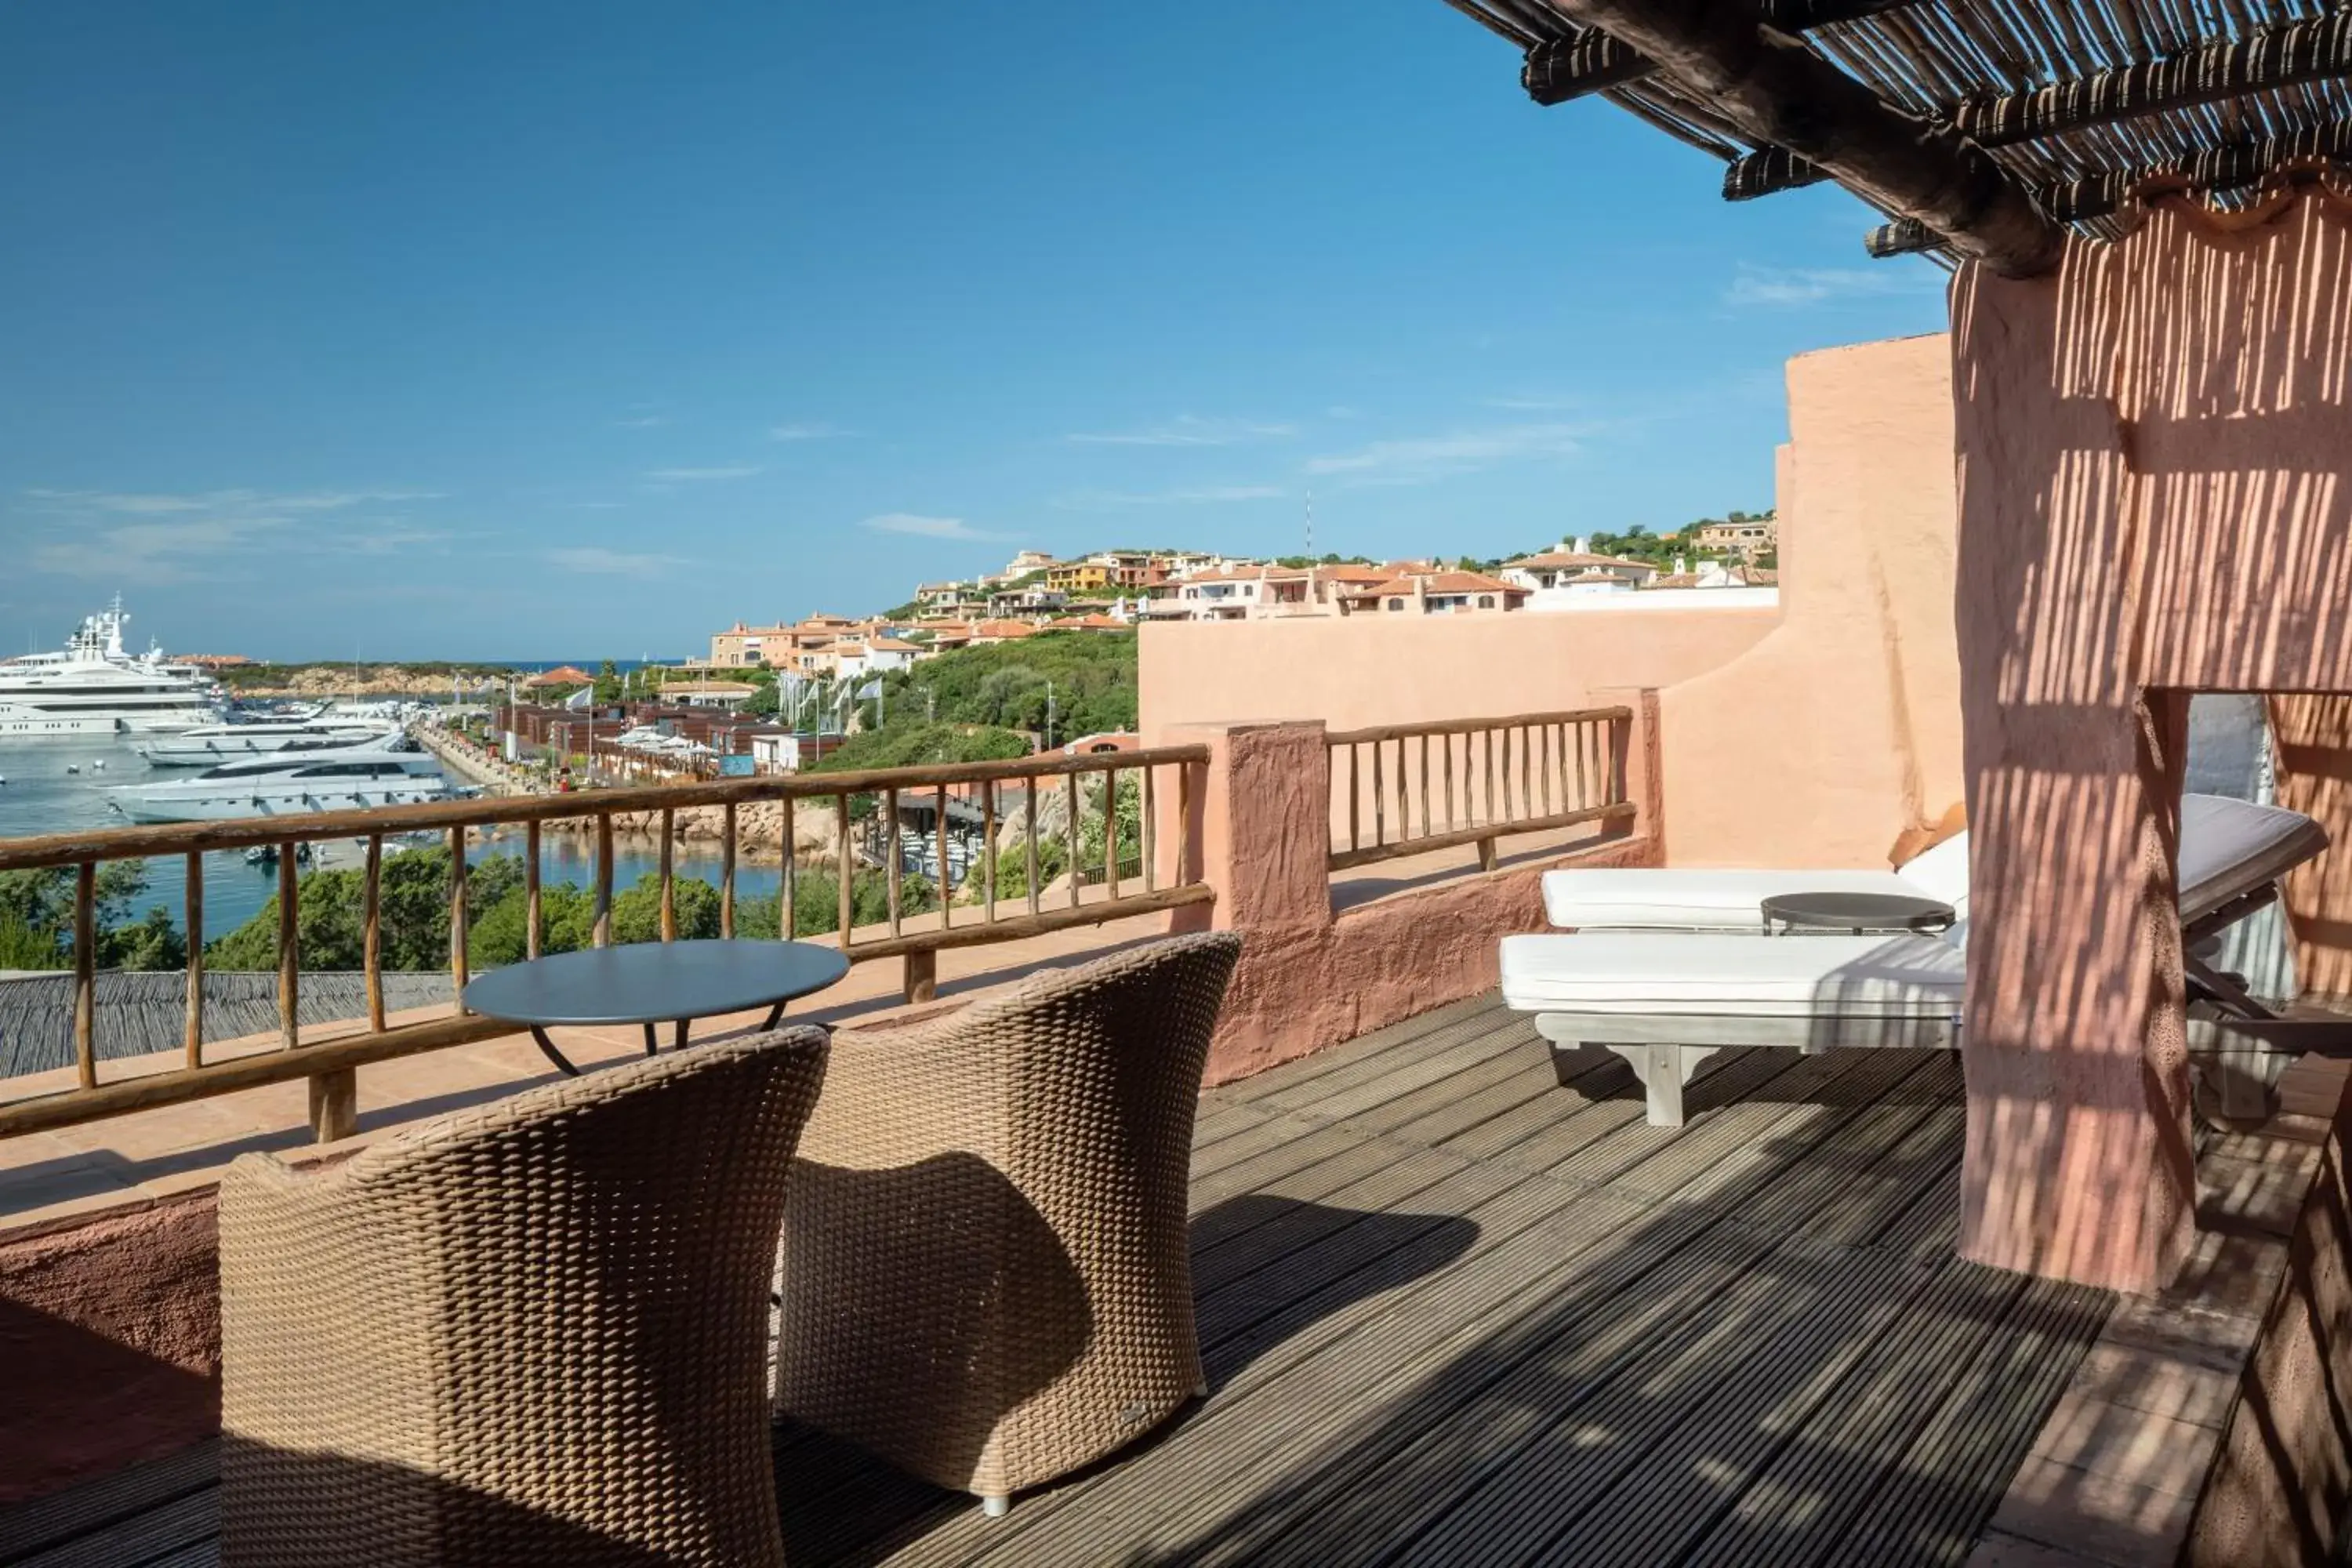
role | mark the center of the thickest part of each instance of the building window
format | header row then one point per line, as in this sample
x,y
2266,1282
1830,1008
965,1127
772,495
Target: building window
x,y
1396,604
1485,601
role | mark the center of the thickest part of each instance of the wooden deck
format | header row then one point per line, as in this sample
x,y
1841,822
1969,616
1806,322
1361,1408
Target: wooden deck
x,y
1456,1312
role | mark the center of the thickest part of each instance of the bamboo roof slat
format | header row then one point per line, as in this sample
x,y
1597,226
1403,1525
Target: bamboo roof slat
x,y
2086,98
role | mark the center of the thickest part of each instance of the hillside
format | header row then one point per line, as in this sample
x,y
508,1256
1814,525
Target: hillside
x,y
1091,675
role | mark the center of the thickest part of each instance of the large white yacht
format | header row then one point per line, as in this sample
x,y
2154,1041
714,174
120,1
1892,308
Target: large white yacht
x,y
209,745
397,772
94,687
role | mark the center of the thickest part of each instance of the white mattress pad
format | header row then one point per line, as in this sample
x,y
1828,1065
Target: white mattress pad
x,y
1734,973
2228,848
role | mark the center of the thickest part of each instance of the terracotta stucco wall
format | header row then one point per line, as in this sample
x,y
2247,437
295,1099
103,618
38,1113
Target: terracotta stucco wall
x,y
2155,452
1363,670
109,1344
1310,977
2314,776
1841,729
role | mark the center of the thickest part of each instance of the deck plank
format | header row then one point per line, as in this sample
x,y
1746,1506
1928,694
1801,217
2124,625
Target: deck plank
x,y
1453,1311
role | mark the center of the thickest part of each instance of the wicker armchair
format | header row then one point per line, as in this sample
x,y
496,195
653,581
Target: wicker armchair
x,y
986,1278
530,1332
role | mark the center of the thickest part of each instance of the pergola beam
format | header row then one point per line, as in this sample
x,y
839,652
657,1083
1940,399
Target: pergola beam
x,y
1586,60
1766,171
2234,165
1579,63
2285,56
1778,93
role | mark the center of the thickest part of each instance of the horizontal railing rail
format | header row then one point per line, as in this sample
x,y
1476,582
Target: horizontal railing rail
x,y
1408,789
958,823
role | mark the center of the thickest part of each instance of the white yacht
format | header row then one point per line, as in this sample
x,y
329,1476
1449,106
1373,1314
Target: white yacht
x,y
93,688
209,745
398,773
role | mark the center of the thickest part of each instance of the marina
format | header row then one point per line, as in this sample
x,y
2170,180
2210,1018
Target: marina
x,y
60,786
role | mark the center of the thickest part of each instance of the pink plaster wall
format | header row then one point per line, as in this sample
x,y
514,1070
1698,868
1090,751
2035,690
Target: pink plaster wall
x,y
1840,731
1308,978
2154,450
2314,776
109,1339
1360,670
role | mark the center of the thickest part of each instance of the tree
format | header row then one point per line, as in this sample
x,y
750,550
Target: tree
x,y
918,744
1003,685
37,920
329,914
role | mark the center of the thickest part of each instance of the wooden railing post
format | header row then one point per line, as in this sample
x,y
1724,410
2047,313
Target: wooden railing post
x,y
1173,877
193,1032
1515,778
85,1023
921,974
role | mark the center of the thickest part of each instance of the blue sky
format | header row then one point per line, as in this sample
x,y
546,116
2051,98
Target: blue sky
x,y
541,330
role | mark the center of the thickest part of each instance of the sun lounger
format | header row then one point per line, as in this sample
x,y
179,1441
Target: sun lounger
x,y
1666,967
2229,849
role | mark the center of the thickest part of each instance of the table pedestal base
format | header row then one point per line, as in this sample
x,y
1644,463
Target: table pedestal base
x,y
563,1065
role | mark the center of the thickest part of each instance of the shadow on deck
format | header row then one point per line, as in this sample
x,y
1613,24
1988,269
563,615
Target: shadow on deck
x,y
1454,1312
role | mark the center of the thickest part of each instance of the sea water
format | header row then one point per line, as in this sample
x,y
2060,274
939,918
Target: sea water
x,y
58,786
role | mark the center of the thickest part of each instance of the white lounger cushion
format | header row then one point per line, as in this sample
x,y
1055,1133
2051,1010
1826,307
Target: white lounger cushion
x,y
1734,973
2233,848
2228,848
1675,898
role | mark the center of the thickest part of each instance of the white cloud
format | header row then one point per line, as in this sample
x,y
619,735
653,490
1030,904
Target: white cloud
x,y
1206,495
598,560
392,541
642,422
927,527
819,431
1423,458
1780,288
1188,430
144,538
725,471
149,505
79,559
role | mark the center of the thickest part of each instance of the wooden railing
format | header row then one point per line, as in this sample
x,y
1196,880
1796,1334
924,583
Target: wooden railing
x,y
1161,785
1405,789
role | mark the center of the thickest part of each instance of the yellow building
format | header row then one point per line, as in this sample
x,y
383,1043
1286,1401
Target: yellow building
x,y
1077,576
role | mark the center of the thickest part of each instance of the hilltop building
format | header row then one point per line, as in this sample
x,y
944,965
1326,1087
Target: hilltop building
x,y
1572,566
1021,565
1275,593
1744,536
1434,593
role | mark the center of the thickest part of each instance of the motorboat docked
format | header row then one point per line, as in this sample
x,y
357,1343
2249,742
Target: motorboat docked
x,y
209,745
398,773
94,687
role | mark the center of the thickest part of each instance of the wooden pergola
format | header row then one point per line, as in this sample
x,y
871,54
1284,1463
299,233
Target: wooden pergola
x,y
1982,129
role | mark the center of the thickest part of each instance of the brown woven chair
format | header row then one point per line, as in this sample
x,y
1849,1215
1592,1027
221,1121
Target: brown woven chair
x,y
986,1280
530,1332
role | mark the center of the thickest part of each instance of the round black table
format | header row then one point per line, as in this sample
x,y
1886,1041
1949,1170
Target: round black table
x,y
1856,913
645,983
